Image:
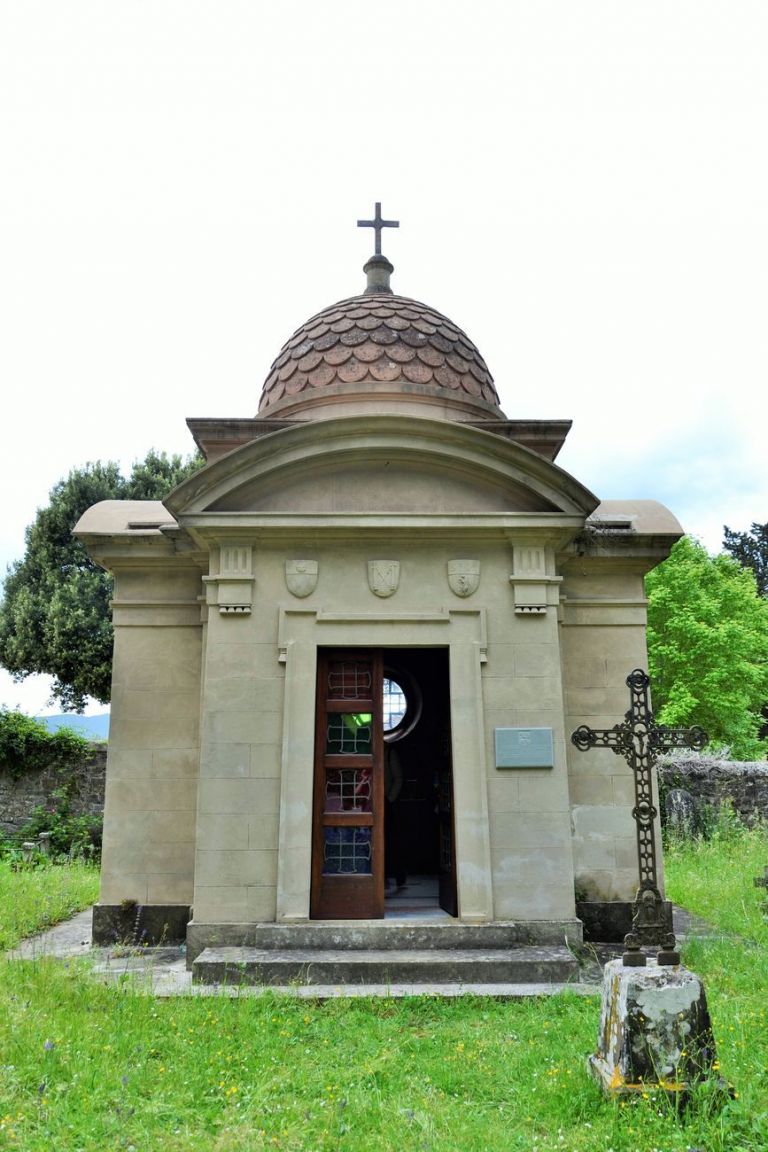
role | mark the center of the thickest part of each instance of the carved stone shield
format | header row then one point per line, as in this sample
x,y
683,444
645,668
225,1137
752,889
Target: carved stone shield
x,y
383,576
301,577
464,576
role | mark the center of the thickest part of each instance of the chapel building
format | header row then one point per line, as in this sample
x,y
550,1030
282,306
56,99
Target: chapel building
x,y
350,652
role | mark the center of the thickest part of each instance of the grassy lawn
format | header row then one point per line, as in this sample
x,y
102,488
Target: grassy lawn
x,y
714,878
32,901
85,1066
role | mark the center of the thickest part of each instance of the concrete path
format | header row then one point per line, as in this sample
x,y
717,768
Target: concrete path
x,y
70,938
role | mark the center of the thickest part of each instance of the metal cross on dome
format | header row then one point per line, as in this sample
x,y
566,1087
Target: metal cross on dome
x,y
639,739
377,224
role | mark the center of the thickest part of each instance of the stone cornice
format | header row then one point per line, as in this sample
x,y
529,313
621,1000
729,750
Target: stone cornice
x,y
212,527
452,446
125,550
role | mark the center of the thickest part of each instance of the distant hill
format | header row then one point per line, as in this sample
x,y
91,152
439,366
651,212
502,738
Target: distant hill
x,y
92,727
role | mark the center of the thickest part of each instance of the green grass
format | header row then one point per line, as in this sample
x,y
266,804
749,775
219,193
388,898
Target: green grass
x,y
714,878
86,1066
33,900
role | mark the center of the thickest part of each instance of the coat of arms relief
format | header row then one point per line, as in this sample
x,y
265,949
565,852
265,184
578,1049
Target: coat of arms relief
x,y
463,576
301,577
383,576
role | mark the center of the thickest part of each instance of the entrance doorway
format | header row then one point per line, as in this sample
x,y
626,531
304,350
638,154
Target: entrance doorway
x,y
383,837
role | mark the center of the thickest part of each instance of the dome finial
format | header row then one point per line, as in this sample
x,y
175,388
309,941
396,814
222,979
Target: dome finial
x,y
378,269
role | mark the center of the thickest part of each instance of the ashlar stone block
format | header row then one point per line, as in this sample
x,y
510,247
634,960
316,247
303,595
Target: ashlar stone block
x,y
261,901
170,888
266,760
225,761
587,672
535,660
588,789
247,796
609,883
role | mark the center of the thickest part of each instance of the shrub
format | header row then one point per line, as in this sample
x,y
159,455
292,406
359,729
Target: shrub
x,y
26,745
70,835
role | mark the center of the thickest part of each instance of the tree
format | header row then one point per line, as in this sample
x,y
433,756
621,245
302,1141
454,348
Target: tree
x,y
751,550
54,616
708,647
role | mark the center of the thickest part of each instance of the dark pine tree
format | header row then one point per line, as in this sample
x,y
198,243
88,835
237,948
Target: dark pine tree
x,y
751,550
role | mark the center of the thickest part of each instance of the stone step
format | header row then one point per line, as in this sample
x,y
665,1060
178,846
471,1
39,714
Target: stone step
x,y
346,935
520,965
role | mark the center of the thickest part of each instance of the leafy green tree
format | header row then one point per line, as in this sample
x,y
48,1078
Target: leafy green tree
x,y
54,616
708,647
751,550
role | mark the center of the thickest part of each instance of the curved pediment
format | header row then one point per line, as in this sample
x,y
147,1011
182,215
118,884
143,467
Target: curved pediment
x,y
380,464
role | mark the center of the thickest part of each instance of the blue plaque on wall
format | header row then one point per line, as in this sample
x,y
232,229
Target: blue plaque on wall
x,y
524,748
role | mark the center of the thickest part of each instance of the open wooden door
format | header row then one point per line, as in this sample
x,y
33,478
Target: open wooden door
x,y
348,817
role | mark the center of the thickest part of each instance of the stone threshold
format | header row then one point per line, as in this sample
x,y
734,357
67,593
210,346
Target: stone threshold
x,y
388,965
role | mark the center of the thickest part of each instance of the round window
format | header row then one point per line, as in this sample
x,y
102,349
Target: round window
x,y
402,704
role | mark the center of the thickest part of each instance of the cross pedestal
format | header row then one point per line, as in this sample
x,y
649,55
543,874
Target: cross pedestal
x,y
639,739
655,1032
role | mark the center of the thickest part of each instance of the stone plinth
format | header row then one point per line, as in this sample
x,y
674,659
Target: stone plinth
x,y
655,1030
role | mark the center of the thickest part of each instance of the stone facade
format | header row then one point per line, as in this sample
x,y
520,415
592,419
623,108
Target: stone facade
x,y
385,506
19,798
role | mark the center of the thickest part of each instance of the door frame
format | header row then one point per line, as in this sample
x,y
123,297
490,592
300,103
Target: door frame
x,y
301,633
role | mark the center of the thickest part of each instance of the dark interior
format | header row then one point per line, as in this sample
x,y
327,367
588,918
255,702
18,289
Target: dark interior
x,y
425,754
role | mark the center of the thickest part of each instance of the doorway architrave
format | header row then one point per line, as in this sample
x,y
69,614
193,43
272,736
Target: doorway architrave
x,y
301,633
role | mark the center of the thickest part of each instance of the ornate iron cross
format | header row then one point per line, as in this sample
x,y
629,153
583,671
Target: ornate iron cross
x,y
377,224
639,739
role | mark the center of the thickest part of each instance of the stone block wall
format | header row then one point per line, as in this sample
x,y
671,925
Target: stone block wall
x,y
19,798
711,783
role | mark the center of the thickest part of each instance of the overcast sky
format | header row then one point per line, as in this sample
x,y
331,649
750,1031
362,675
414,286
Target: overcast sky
x,y
582,186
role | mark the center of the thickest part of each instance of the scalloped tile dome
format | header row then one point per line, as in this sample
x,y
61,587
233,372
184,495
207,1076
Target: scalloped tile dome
x,y
383,339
